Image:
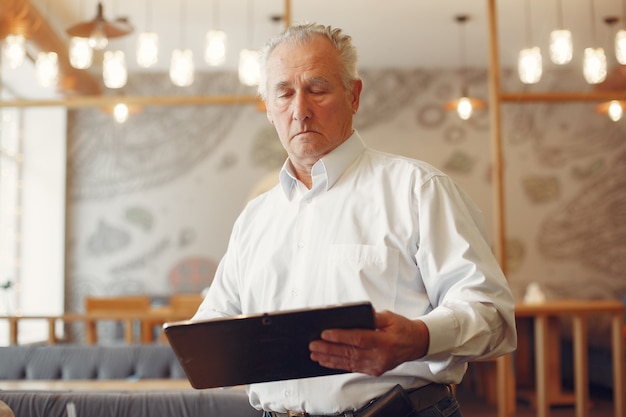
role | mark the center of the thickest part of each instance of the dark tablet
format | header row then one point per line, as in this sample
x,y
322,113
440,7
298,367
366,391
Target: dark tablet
x,y
259,348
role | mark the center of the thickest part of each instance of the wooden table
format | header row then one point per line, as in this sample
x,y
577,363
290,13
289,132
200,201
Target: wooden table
x,y
547,351
96,385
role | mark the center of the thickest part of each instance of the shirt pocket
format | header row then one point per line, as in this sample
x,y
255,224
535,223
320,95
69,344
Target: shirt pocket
x,y
363,272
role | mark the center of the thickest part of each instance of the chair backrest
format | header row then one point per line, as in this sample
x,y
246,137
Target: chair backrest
x,y
185,304
122,303
119,306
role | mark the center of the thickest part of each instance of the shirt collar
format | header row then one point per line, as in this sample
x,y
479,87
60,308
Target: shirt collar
x,y
332,165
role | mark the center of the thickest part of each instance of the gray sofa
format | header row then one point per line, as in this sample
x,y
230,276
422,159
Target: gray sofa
x,y
127,362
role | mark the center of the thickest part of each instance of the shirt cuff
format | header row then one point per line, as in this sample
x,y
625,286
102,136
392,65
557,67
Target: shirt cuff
x,y
443,329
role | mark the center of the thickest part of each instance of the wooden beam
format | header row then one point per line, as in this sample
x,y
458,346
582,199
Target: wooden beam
x,y
105,101
20,16
556,97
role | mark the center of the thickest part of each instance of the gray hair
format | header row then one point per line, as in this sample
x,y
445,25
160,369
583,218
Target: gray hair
x,y
301,34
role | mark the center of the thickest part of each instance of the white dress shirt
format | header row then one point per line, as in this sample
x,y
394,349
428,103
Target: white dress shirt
x,y
377,227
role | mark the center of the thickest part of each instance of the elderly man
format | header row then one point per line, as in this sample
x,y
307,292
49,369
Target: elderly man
x,y
347,223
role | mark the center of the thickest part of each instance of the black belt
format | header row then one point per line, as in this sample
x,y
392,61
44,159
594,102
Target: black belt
x,y
421,398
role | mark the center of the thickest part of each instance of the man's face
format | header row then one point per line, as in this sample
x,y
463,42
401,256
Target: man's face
x,y
306,99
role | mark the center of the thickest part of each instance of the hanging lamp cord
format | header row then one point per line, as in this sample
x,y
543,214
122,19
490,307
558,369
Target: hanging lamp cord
x,y
559,14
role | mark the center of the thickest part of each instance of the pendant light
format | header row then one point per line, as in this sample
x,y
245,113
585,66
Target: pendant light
x,y
594,65
14,50
215,47
47,68
99,30
215,50
121,110
249,69
114,71
147,49
47,64
148,43
181,64
81,53
529,63
620,38
561,48
249,59
181,67
614,109
594,61
464,106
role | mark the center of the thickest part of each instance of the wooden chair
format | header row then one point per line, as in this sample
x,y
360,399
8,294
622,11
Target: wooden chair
x,y
185,304
182,307
113,309
495,381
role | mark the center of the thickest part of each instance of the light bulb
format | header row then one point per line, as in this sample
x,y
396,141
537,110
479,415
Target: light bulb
x,y
147,49
561,49
120,112
14,50
530,67
98,38
47,68
620,46
215,50
594,65
81,54
181,67
249,67
615,110
464,108
114,71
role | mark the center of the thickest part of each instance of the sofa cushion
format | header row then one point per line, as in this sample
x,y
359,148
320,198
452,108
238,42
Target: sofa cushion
x,y
89,362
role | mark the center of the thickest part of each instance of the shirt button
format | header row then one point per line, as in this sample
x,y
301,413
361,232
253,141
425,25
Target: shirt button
x,y
295,292
300,244
287,393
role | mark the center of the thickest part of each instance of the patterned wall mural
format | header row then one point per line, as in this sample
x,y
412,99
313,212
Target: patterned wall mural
x,y
152,201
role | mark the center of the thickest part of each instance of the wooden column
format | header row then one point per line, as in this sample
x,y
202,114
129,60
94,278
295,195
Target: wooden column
x,y
497,176
505,394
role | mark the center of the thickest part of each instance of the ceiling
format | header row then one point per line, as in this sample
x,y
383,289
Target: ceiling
x,y
390,33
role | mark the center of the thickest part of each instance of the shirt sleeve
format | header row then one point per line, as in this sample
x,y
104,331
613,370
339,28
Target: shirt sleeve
x,y
473,308
223,298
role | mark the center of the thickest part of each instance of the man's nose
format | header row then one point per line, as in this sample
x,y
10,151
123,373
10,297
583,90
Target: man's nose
x,y
301,107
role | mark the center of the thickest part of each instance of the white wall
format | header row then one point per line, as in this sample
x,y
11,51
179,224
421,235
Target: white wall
x,y
41,286
43,215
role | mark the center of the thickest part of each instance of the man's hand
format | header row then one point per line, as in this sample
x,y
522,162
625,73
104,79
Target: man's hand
x,y
396,340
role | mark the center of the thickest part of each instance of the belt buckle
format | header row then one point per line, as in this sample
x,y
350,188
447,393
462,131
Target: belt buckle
x,y
297,413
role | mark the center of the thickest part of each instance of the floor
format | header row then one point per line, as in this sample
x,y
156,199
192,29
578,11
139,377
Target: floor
x,y
475,406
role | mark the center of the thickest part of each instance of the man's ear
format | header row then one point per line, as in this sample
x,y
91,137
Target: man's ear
x,y
357,87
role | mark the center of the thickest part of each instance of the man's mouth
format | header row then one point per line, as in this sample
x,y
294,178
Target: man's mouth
x,y
303,132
